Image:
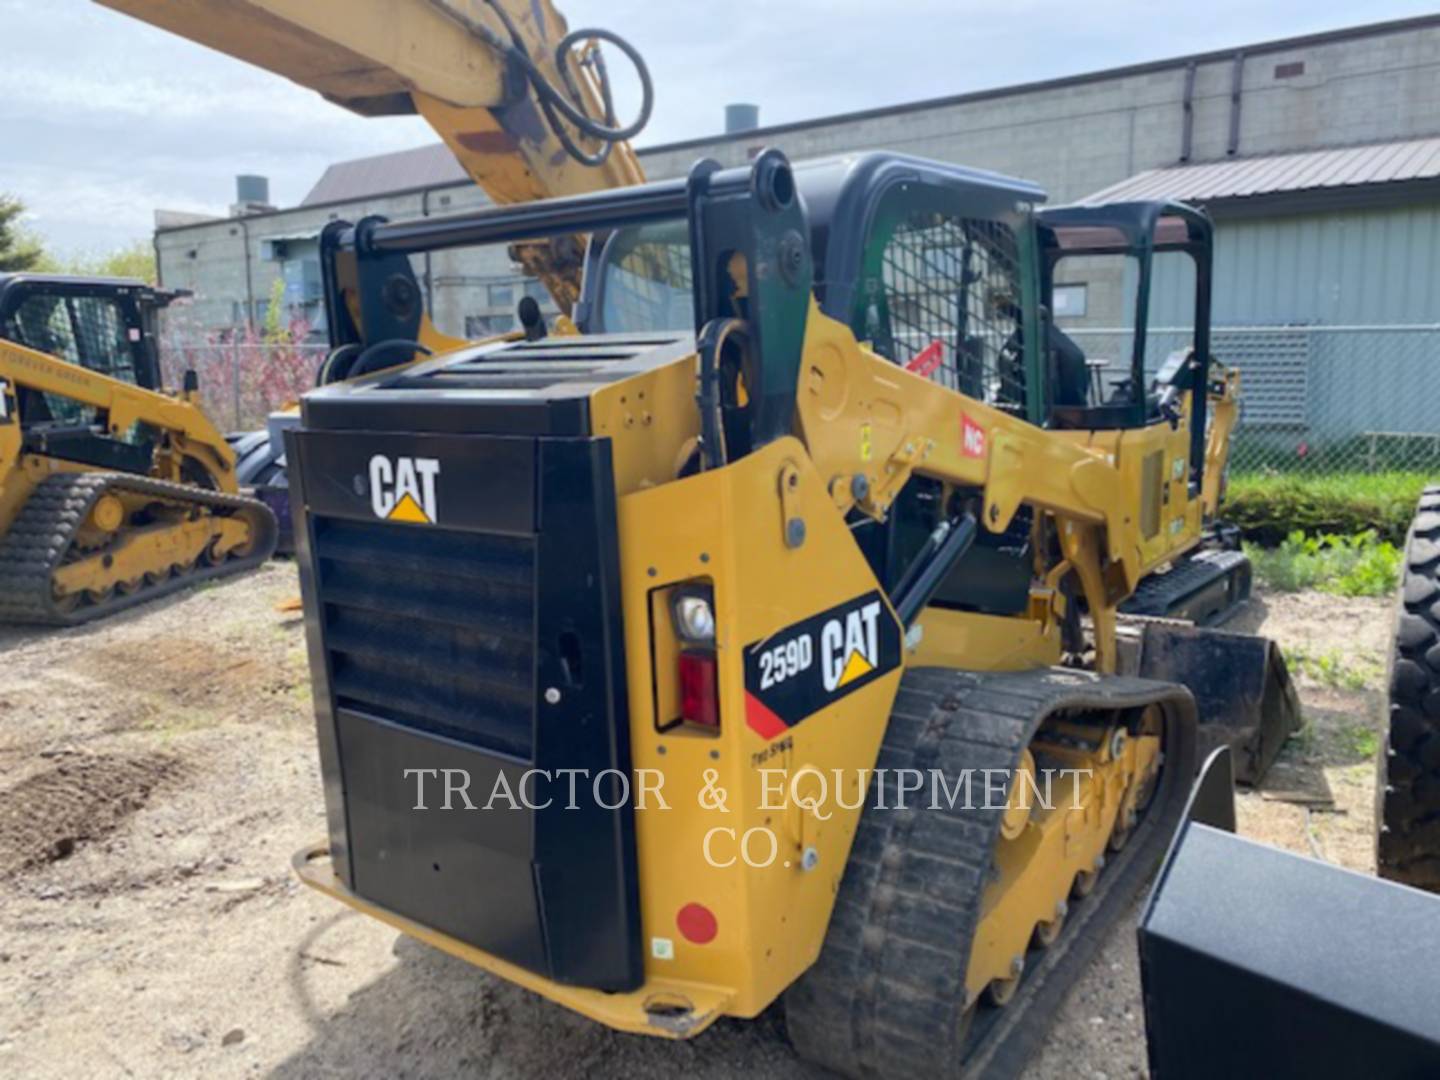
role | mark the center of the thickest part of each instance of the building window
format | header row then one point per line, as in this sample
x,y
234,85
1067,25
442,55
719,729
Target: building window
x,y
1290,70
483,326
502,296
536,291
1069,301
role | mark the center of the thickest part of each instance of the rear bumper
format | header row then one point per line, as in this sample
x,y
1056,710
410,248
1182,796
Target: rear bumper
x,y
671,1009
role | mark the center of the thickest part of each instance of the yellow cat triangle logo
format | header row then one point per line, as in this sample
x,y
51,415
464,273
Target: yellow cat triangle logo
x,y
856,667
407,509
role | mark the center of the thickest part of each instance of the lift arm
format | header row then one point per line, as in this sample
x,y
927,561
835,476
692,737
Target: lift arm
x,y
189,431
524,104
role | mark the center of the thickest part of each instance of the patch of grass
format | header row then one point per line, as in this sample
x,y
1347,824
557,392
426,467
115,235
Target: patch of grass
x,y
1267,506
1357,565
1332,669
1360,741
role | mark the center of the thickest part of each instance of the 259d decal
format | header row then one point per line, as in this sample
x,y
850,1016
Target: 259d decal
x,y
808,665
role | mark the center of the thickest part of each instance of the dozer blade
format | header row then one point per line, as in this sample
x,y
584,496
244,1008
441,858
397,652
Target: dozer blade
x,y
1240,682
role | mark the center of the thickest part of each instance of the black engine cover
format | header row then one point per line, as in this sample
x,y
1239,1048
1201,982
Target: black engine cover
x,y
463,613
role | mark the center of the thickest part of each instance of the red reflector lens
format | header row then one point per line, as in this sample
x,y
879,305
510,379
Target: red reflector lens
x,y
699,697
697,924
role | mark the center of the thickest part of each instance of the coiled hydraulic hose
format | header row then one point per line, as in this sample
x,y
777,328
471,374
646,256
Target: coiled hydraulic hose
x,y
567,106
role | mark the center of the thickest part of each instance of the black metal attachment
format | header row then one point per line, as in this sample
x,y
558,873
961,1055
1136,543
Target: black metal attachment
x,y
1212,799
929,568
531,321
390,300
1257,962
750,259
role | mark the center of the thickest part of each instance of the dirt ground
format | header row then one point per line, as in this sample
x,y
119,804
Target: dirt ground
x,y
157,772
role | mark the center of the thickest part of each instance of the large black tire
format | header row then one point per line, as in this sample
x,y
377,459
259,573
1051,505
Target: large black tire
x,y
1407,788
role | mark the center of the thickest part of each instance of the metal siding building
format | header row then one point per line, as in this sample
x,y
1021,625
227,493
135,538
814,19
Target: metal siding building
x,y
1343,268
1335,237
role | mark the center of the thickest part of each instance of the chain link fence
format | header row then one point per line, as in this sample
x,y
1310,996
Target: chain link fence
x,y
243,382
1314,399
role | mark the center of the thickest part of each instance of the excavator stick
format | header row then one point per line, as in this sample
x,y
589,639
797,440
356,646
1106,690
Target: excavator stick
x,y
1240,682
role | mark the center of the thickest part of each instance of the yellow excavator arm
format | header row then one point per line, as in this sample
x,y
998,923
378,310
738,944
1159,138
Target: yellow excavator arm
x,y
523,103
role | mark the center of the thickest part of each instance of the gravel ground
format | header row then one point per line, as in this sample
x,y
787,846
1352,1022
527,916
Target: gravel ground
x,y
157,772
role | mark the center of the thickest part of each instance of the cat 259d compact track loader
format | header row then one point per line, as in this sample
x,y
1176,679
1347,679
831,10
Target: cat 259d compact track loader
x,y
112,491
722,537
712,530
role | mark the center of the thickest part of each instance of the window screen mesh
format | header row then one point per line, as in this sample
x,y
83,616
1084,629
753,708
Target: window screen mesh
x,y
88,331
101,334
85,330
952,287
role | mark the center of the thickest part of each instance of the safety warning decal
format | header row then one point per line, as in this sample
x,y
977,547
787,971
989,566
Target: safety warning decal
x,y
7,403
813,663
925,361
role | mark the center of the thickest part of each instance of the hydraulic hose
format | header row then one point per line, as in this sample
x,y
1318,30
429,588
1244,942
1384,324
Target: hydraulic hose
x,y
567,105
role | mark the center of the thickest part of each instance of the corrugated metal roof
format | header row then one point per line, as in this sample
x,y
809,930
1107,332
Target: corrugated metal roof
x,y
1273,174
404,170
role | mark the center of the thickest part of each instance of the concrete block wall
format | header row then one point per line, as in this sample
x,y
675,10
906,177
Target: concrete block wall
x,y
1078,136
210,260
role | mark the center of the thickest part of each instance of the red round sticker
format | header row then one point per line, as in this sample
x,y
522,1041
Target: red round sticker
x,y
697,924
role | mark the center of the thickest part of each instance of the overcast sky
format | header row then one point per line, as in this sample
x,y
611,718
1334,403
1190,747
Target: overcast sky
x,y
103,119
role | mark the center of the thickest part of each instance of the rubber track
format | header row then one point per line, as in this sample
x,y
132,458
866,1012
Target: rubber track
x,y
1160,594
1407,789
43,532
887,995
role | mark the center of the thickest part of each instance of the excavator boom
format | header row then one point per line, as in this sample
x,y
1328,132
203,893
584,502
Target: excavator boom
x,y
524,104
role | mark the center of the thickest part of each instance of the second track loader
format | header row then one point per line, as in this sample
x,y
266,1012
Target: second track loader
x,y
112,491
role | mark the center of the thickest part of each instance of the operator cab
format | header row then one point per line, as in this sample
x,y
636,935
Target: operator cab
x,y
104,325
1123,244
949,272
933,265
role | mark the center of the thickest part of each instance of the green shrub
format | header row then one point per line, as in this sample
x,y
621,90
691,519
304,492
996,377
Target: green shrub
x,y
1268,507
1357,565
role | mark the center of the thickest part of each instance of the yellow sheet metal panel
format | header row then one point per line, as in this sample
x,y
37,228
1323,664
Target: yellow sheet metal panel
x,y
727,525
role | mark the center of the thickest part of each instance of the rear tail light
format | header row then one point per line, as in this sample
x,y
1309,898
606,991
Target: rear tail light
x,y
699,689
